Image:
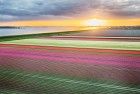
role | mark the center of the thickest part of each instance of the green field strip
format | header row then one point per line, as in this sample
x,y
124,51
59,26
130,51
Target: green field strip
x,y
77,43
27,36
47,84
6,91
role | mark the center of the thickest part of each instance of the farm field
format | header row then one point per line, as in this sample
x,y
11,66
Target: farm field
x,y
65,62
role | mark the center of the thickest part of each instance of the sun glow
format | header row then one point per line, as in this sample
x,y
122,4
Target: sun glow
x,y
79,22
95,22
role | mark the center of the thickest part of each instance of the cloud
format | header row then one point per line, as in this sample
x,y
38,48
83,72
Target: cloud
x,y
55,9
123,8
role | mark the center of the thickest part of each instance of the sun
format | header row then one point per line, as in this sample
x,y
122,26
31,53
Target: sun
x,y
95,22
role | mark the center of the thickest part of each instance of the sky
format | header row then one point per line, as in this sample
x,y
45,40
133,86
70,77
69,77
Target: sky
x,y
68,12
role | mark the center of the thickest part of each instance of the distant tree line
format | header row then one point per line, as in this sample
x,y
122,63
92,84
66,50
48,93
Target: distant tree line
x,y
103,27
9,27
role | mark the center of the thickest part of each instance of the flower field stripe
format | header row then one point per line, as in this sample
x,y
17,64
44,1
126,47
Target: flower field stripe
x,y
91,59
70,49
78,44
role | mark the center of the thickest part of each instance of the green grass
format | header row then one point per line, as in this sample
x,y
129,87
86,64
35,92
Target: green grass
x,y
27,36
78,43
6,91
36,83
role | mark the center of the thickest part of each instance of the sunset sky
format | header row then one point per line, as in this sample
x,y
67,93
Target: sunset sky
x,y
69,12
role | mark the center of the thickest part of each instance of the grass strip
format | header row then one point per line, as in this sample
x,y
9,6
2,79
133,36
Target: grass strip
x,y
27,36
35,83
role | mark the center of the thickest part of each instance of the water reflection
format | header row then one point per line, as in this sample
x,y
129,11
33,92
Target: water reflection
x,y
91,31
